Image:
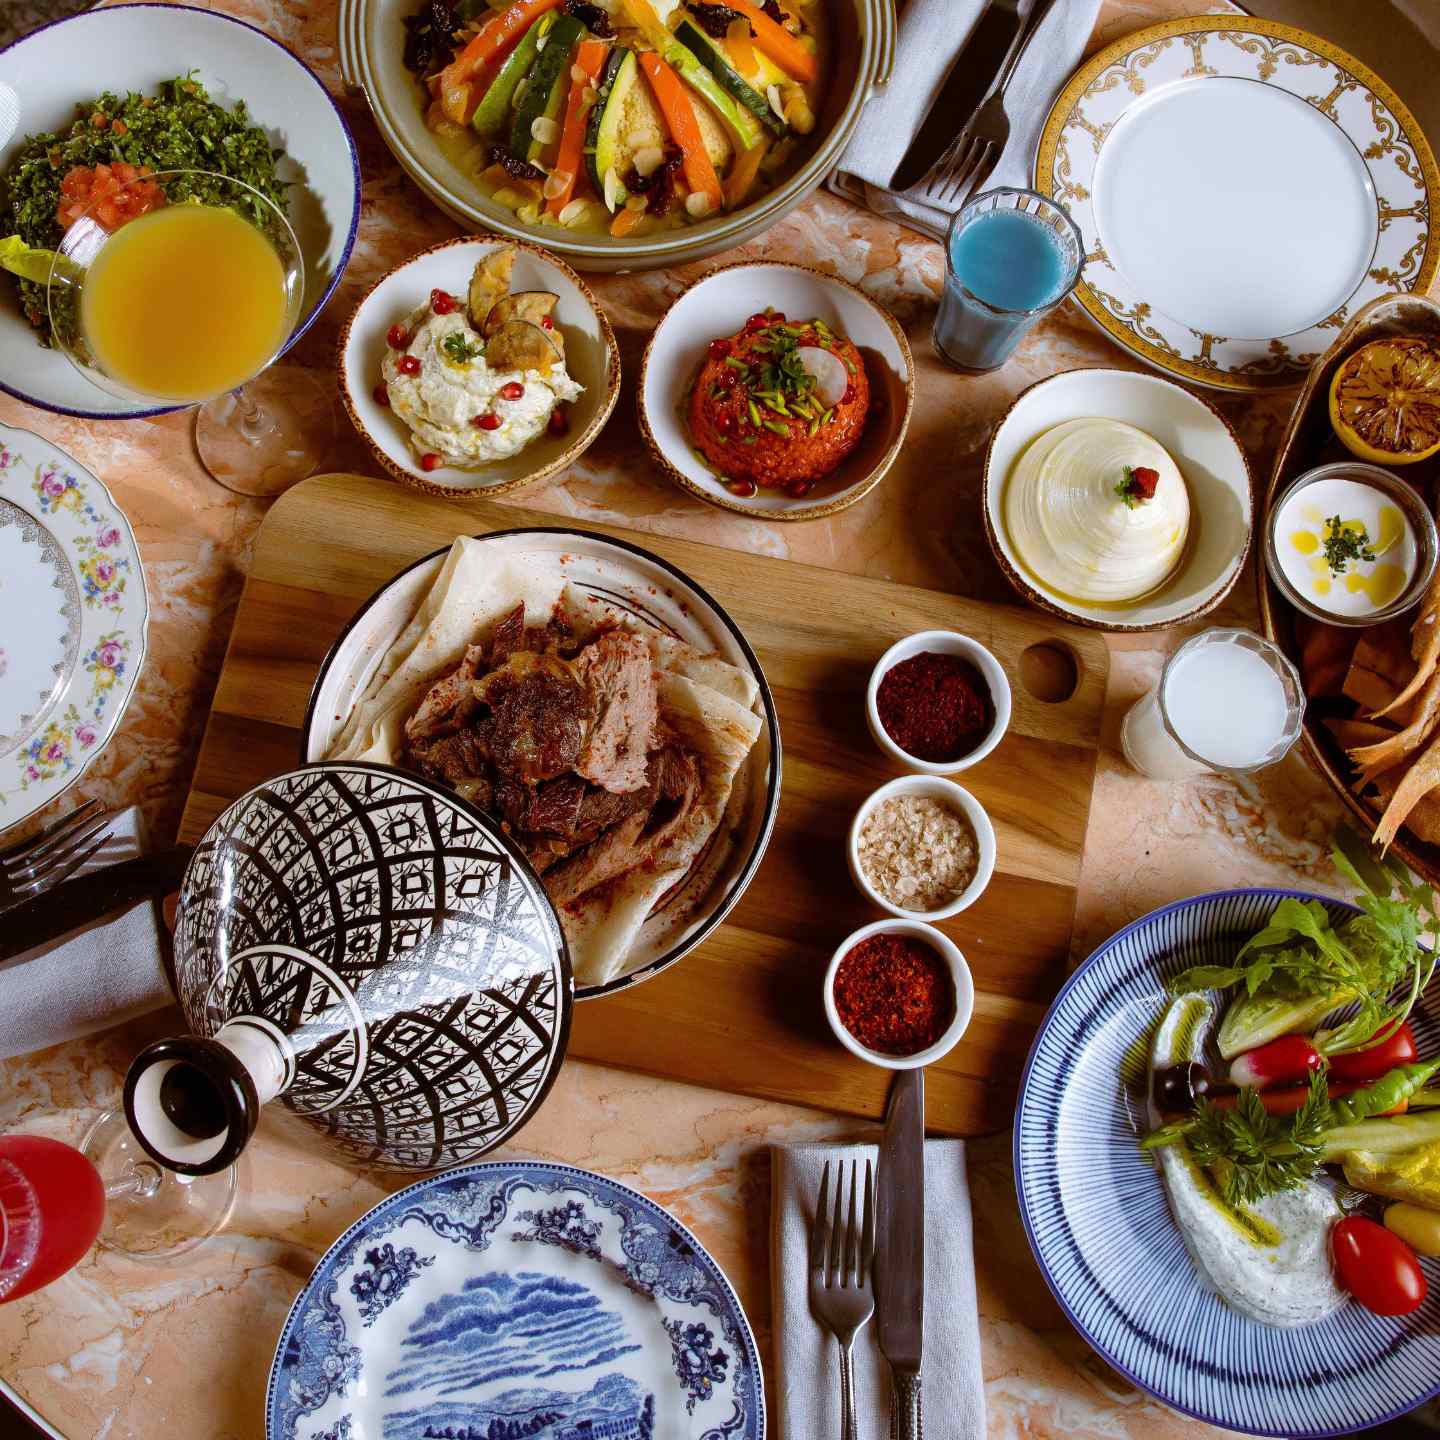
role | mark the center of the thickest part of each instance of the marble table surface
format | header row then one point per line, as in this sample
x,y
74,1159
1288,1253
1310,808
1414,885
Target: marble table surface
x,y
117,1350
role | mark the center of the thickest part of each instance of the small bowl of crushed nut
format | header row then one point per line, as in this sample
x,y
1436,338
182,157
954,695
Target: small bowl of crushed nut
x,y
922,848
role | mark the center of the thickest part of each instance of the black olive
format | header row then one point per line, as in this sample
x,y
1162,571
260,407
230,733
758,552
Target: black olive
x,y
1177,1087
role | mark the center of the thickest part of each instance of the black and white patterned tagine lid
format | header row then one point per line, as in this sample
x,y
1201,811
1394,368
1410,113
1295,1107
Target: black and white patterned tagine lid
x,y
371,951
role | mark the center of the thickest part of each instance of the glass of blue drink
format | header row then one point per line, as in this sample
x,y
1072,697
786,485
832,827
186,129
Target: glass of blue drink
x,y
1011,256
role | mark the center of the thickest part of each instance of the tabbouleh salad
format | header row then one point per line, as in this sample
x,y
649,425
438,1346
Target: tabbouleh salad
x,y
178,128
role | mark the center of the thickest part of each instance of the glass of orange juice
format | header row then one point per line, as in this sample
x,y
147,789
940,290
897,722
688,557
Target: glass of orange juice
x,y
160,296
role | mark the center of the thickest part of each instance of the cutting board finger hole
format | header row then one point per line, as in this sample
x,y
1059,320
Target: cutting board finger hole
x,y
1049,671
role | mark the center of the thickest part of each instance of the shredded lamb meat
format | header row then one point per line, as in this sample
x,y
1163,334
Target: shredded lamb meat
x,y
563,745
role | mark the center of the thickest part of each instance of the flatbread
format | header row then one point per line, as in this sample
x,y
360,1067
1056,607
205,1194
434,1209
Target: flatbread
x,y
707,702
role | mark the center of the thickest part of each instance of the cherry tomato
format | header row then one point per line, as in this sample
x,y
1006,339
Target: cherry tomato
x,y
382,395
1379,1059
408,364
441,302
397,337
430,461
513,390
1378,1268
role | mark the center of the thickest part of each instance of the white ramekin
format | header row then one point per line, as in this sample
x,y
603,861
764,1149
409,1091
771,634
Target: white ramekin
x,y
946,642
964,985
949,793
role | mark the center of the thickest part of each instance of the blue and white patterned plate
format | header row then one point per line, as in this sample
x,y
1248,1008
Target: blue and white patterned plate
x,y
1100,1226
516,1299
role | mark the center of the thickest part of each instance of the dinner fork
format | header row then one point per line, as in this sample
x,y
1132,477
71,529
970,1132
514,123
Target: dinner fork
x,y
966,162
52,854
842,1295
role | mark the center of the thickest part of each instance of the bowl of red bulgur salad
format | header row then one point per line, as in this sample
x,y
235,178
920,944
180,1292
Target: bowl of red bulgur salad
x,y
777,391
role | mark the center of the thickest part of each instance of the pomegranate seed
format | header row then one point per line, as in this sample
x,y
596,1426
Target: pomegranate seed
x,y
488,421
758,321
726,425
397,337
848,396
382,395
743,488
728,378
430,461
409,364
719,349
800,488
559,422
513,391
546,323
441,302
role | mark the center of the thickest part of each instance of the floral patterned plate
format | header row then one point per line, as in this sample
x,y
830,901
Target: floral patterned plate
x,y
72,621
1242,187
516,1299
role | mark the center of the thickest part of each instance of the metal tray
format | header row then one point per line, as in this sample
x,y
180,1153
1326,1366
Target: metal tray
x,y
1308,441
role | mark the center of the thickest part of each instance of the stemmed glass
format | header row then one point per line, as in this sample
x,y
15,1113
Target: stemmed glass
x,y
194,313
57,1201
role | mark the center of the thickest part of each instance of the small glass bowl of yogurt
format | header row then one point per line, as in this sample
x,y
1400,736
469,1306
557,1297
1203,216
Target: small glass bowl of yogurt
x,y
1351,544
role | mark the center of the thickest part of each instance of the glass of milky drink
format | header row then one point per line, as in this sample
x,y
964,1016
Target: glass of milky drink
x,y
1226,701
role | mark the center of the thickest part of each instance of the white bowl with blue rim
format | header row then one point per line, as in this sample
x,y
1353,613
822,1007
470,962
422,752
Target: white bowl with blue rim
x,y
137,47
1098,1220
516,1298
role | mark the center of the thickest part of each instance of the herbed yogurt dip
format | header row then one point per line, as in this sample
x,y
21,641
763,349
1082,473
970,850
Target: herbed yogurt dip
x,y
455,406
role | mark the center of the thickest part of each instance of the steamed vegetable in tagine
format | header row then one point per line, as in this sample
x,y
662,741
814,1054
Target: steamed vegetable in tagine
x,y
621,117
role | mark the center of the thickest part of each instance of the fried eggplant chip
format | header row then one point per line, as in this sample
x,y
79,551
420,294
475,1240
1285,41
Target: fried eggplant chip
x,y
519,345
490,283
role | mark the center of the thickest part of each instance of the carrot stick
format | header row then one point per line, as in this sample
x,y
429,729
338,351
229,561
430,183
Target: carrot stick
x,y
777,42
684,128
589,56
495,39
741,179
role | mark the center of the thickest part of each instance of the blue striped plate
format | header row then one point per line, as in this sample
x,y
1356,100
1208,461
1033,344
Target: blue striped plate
x,y
1100,1225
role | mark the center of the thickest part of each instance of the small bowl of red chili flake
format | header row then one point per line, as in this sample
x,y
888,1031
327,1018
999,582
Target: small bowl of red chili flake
x,y
899,994
938,702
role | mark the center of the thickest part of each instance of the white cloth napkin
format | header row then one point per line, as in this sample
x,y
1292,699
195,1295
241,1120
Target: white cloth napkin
x,y
807,1359
933,34
99,976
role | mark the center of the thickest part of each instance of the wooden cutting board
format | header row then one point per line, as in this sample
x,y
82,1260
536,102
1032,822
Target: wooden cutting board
x,y
743,1012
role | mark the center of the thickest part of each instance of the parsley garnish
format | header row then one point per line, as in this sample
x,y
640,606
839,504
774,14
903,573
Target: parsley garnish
x,y
1137,485
1344,544
459,349
1250,1152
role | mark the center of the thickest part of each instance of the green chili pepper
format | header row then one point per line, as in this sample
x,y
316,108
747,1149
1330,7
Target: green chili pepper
x,y
1385,1094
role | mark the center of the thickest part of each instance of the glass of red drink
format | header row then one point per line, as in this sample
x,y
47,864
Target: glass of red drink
x,y
57,1201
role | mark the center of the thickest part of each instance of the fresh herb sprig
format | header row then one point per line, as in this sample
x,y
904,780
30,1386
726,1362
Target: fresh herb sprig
x,y
1250,1152
1137,485
1344,543
459,350
1299,953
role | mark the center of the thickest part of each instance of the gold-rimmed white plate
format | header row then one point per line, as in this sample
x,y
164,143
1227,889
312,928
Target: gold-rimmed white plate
x,y
1242,187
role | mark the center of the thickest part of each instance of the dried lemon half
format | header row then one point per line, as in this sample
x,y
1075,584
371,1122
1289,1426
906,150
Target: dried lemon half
x,y
1385,401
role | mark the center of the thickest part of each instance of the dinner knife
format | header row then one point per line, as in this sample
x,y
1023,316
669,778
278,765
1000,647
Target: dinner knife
x,y
967,84
900,1247
90,897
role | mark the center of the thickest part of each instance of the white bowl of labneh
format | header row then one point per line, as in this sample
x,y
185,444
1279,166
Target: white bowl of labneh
x,y
938,702
922,848
899,994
